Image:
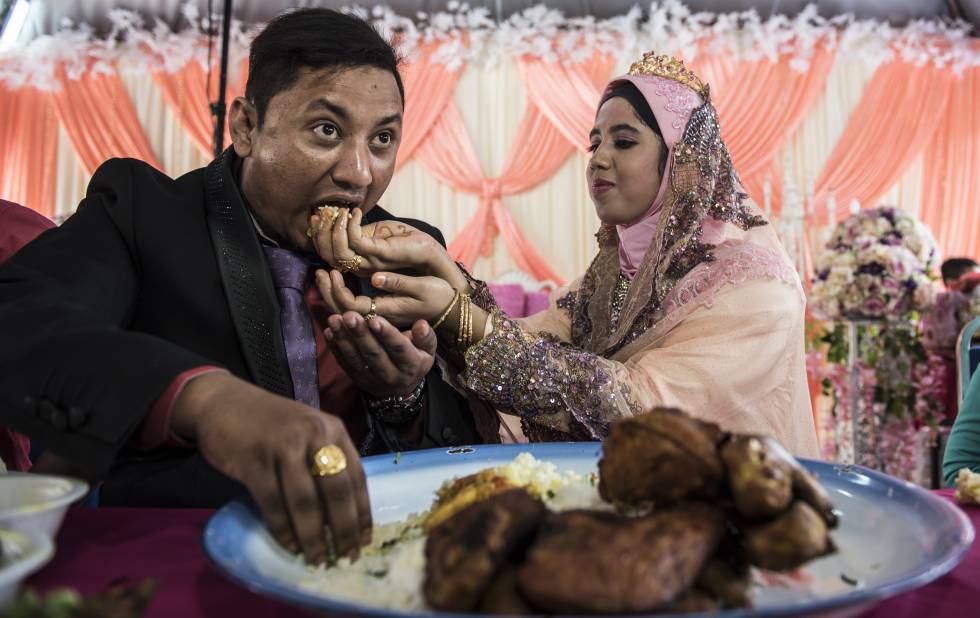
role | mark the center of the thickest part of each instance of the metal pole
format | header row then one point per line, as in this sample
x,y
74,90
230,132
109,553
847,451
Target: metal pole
x,y
854,390
218,108
864,424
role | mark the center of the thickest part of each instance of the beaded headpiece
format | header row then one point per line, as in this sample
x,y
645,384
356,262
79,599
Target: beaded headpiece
x,y
670,68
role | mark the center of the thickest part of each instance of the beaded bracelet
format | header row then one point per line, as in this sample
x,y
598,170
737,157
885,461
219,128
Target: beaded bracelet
x,y
396,410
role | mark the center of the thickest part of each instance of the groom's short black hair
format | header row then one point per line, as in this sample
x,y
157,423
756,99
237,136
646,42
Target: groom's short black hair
x,y
312,38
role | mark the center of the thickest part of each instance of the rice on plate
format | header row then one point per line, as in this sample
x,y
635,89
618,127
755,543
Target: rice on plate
x,y
390,570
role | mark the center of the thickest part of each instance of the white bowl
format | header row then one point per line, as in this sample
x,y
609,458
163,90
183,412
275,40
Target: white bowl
x,y
34,550
37,502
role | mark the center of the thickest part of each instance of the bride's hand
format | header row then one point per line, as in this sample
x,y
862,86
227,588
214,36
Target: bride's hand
x,y
385,245
409,298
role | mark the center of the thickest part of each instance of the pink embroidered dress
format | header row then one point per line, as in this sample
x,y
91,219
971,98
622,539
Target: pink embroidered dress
x,y
709,317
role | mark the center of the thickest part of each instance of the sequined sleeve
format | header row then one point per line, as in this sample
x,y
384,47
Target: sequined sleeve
x,y
541,378
481,295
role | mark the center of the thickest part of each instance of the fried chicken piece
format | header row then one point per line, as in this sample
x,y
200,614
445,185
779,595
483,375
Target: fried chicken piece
x,y
692,601
464,553
601,562
661,457
725,582
764,479
464,491
787,542
808,489
760,480
502,597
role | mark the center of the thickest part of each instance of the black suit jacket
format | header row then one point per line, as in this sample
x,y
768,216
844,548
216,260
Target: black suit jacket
x,y
149,278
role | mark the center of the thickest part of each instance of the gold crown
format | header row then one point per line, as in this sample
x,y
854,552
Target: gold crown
x,y
669,67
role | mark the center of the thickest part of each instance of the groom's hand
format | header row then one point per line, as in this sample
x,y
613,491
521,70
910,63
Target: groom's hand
x,y
380,359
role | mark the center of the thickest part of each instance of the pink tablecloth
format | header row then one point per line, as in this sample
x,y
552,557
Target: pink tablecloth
x,y
96,546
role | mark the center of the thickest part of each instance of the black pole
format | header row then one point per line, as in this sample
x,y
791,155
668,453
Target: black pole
x,y
218,108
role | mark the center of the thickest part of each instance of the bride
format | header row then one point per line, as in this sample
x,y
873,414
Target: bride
x,y
690,302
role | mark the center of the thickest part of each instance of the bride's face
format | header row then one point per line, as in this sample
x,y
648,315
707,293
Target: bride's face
x,y
624,171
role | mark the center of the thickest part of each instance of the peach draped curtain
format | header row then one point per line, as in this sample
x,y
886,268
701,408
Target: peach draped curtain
x,y
28,149
567,95
99,119
951,178
904,112
760,105
429,88
449,155
561,106
186,94
895,120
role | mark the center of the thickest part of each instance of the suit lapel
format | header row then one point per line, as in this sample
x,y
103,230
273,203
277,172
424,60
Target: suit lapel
x,y
248,285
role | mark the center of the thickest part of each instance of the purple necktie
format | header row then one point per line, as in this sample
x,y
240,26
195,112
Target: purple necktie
x,y
289,275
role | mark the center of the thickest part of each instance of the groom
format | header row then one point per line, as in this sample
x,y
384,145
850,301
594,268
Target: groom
x,y
168,337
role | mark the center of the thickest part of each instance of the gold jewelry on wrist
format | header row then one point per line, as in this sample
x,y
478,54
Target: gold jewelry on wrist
x,y
445,314
464,333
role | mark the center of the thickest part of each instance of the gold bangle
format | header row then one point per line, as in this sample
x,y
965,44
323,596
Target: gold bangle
x,y
469,322
445,314
464,332
468,331
460,319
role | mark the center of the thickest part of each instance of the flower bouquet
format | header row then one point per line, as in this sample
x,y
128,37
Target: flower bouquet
x,y
873,281
877,265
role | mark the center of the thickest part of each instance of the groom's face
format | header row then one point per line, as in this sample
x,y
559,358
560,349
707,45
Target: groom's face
x,y
329,139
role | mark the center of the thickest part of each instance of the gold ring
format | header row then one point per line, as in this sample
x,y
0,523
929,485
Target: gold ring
x,y
349,265
372,312
328,461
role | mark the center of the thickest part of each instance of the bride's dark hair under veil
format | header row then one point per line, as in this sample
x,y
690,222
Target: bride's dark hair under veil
x,y
631,94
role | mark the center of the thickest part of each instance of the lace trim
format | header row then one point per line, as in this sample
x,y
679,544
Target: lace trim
x,y
481,296
567,303
681,100
618,298
734,264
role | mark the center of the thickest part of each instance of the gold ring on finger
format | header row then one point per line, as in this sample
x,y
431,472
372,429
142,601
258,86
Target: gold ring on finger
x,y
372,312
349,265
328,461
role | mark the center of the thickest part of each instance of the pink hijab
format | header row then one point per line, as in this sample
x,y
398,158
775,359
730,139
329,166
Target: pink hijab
x,y
672,104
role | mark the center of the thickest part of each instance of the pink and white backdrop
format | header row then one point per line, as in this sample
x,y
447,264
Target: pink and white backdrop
x,y
820,116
